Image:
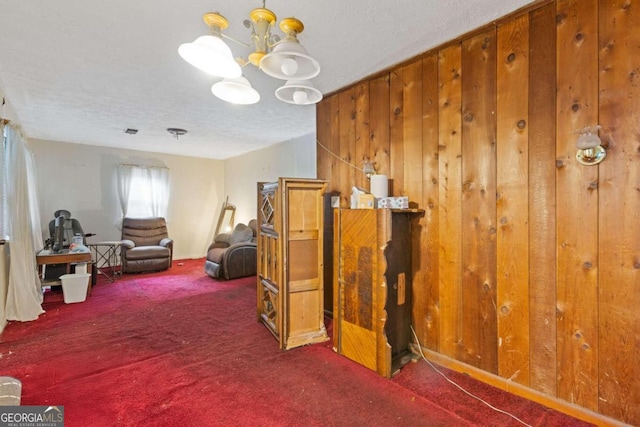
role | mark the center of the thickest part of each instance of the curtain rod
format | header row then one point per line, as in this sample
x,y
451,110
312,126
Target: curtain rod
x,y
143,166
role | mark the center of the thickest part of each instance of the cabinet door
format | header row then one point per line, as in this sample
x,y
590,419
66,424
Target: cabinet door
x,y
268,281
361,292
269,306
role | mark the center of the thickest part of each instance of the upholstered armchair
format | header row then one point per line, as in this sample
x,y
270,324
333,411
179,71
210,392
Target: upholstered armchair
x,y
234,254
146,245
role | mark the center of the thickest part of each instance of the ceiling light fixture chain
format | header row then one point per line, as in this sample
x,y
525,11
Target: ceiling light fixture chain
x,y
284,59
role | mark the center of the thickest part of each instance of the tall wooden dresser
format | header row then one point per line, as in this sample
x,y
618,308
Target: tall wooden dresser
x,y
290,266
372,287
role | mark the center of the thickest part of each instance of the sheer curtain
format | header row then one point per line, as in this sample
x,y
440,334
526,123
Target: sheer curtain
x,y
24,295
143,191
125,175
159,183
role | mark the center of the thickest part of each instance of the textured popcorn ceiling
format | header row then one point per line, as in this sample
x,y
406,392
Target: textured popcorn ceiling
x,y
84,71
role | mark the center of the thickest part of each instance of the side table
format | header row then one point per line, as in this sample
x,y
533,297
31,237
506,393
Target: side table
x,y
107,258
47,257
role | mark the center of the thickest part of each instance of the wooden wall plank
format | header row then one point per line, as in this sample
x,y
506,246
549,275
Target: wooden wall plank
x,y
619,219
542,199
323,135
512,245
577,201
347,144
363,142
396,136
426,310
334,142
479,201
450,199
379,124
412,132
413,159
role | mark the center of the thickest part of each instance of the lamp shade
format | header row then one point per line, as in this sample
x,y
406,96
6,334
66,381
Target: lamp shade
x,y
289,60
211,55
299,92
236,91
588,140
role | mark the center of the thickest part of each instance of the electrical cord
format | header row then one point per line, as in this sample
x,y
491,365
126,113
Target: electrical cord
x,y
338,157
460,387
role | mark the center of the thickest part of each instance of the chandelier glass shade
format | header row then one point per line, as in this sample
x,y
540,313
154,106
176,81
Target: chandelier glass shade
x,y
299,92
283,59
289,60
210,53
236,91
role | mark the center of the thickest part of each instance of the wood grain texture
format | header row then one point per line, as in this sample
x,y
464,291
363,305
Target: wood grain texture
x,y
426,262
347,143
542,199
362,316
396,133
383,236
323,136
412,132
479,201
619,208
506,203
577,201
450,199
363,142
334,145
379,124
290,295
512,150
412,79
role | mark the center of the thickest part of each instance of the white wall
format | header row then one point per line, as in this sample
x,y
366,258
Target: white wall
x,y
81,179
6,110
293,159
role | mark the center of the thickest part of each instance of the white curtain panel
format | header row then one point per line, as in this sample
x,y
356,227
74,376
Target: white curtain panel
x,y
24,295
124,174
159,183
143,191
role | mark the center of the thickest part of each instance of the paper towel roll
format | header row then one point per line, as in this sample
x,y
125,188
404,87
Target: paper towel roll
x,y
379,186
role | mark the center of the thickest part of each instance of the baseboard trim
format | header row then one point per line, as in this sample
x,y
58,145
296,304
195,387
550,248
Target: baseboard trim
x,y
522,391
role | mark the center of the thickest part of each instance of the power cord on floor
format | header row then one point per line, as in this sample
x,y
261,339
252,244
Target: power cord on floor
x,y
460,387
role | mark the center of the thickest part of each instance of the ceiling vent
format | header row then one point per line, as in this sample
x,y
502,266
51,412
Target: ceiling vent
x,y
131,131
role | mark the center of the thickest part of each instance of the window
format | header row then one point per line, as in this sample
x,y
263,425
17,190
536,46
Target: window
x,y
143,191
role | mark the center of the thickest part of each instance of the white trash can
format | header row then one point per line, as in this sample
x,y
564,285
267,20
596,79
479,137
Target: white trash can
x,y
75,286
81,267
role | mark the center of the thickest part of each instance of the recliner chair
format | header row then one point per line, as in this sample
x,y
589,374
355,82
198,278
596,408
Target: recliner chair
x,y
146,245
234,254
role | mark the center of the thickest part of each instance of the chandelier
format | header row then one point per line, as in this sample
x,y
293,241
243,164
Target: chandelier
x,y
285,59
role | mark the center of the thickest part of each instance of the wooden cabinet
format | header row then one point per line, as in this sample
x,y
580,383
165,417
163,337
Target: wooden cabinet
x,y
372,287
290,267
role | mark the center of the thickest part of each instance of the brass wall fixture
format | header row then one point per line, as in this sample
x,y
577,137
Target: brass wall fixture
x,y
590,151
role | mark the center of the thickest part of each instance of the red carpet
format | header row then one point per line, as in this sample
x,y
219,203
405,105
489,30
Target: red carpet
x,y
179,348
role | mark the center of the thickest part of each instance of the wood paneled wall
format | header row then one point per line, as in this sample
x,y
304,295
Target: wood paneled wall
x,y
527,263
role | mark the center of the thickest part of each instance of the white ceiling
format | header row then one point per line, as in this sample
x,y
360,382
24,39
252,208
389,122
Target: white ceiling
x,y
83,71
